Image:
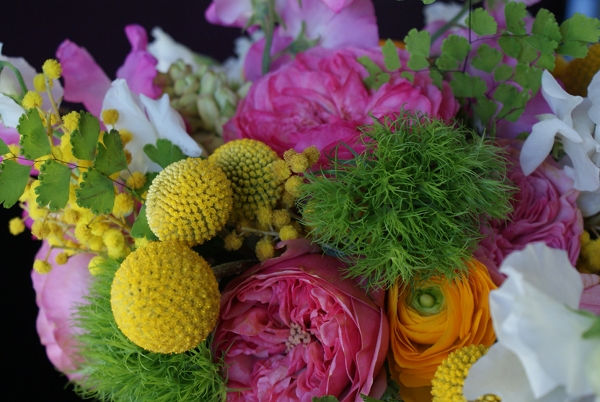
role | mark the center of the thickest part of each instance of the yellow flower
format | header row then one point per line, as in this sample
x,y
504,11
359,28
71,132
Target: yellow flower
x,y
432,319
52,69
16,226
165,297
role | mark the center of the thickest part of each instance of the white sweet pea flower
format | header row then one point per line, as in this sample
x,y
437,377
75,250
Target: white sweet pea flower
x,y
148,120
573,125
167,51
540,354
10,110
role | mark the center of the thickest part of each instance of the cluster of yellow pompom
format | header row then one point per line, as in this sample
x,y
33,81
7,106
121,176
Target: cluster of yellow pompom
x,y
165,297
589,256
449,379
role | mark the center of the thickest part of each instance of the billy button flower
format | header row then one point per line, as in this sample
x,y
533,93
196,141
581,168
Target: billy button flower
x,y
250,166
165,297
431,319
189,201
577,74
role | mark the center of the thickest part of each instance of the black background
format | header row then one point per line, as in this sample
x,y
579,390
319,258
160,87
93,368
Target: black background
x,y
34,30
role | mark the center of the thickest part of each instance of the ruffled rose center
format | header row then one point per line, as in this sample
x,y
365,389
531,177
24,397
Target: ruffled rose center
x,y
297,336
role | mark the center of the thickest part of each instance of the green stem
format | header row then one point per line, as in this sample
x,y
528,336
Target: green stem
x,y
268,27
17,74
466,7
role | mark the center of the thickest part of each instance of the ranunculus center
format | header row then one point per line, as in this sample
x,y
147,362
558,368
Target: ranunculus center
x,y
427,300
297,336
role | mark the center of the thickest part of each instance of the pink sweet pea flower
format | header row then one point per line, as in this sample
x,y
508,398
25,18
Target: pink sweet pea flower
x,y
332,24
320,99
291,329
57,294
545,210
86,82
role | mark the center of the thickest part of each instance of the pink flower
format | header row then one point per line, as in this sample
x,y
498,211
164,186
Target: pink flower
x,y
57,294
332,24
86,82
320,99
291,329
545,210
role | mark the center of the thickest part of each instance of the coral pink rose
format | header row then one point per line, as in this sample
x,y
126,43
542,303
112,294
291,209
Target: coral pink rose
x,y
320,99
57,294
545,210
291,329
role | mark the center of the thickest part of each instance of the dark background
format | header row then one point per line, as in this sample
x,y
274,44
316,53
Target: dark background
x,y
34,30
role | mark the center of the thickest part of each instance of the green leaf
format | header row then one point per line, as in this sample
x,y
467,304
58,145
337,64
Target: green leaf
x,y
506,94
547,62
487,58
545,24
456,46
13,180
446,63
573,49
390,56
511,45
418,45
515,17
375,79
34,141
436,78
482,23
408,75
465,86
580,28
541,43
140,228
529,77
54,185
164,153
96,192
594,330
85,138
4,149
503,72
528,53
111,156
326,398
485,108
367,398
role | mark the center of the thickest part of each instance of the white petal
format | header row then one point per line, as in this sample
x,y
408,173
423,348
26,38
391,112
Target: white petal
x,y
589,203
10,111
539,144
442,11
594,97
561,103
169,124
498,372
133,119
167,51
584,172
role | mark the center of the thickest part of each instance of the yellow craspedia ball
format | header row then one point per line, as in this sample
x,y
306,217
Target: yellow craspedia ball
x,y
577,75
449,379
165,297
249,165
52,69
189,201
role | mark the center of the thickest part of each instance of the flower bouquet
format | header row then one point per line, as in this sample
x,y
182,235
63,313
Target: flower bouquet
x,y
323,216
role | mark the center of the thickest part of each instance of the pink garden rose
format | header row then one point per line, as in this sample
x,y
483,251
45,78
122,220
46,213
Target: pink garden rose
x,y
545,210
86,82
291,329
320,99
57,294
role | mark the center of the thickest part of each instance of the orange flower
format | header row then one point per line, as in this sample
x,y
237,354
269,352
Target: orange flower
x,y
432,320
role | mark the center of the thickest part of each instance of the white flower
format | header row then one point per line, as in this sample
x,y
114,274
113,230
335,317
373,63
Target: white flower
x,y
540,354
167,51
10,110
440,11
148,120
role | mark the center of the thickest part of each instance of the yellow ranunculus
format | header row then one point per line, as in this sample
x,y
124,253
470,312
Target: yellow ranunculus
x,y
433,319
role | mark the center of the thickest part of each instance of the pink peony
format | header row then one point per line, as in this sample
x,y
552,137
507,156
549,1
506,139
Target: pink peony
x,y
57,294
291,329
545,210
320,99
86,82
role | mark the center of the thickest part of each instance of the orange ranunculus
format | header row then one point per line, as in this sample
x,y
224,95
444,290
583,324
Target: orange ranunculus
x,y
433,319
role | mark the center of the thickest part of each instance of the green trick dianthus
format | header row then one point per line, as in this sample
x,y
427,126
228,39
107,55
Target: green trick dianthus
x,y
410,205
